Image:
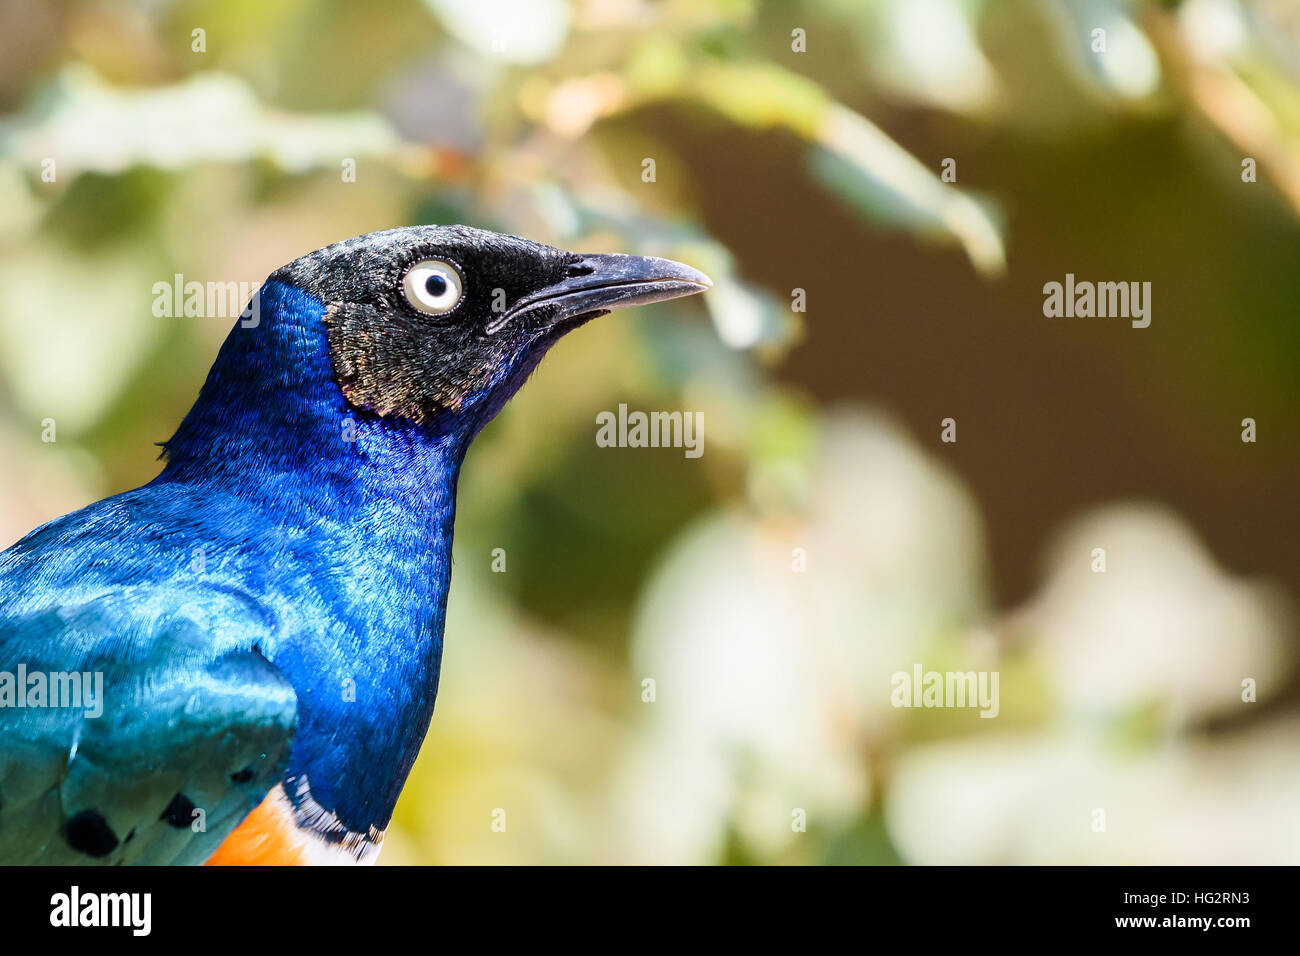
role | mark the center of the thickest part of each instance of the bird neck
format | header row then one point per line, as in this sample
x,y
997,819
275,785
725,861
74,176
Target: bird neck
x,y
361,508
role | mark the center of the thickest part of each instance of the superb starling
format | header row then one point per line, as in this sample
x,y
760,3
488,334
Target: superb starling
x,y
237,662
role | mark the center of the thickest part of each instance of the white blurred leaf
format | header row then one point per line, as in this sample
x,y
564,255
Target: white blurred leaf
x,y
87,125
1128,67
512,31
1162,625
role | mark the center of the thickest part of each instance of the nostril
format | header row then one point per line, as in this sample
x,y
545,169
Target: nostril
x,y
580,269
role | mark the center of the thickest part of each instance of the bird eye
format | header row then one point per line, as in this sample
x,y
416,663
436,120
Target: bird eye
x,y
432,286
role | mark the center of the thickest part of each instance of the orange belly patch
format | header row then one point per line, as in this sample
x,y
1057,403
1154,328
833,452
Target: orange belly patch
x,y
267,837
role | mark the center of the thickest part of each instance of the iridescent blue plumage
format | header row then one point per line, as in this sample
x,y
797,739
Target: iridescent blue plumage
x,y
342,547
342,523
269,610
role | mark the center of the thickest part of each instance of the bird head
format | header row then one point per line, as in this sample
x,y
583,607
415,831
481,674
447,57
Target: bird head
x,y
427,321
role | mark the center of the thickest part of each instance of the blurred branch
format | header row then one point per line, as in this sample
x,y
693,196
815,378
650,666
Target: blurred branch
x,y
1244,117
851,155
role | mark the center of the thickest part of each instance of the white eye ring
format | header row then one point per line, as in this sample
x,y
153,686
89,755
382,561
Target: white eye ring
x,y
432,286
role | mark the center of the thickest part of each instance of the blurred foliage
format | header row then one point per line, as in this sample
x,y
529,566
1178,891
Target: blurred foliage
x,y
772,687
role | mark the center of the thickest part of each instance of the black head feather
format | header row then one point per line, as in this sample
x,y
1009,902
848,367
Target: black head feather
x,y
518,297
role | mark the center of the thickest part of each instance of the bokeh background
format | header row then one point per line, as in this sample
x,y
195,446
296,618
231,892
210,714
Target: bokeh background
x,y
776,168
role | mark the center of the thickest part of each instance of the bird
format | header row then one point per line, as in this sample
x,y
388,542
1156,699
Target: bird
x,y
260,627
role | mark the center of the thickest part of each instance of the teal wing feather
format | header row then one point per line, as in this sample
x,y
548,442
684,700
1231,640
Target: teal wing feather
x,y
196,726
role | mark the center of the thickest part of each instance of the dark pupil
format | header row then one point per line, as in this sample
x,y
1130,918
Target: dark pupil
x,y
435,285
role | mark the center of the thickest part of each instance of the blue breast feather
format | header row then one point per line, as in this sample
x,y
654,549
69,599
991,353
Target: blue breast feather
x,y
274,536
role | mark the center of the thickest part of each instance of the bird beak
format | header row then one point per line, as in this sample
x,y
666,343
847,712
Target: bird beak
x,y
596,284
